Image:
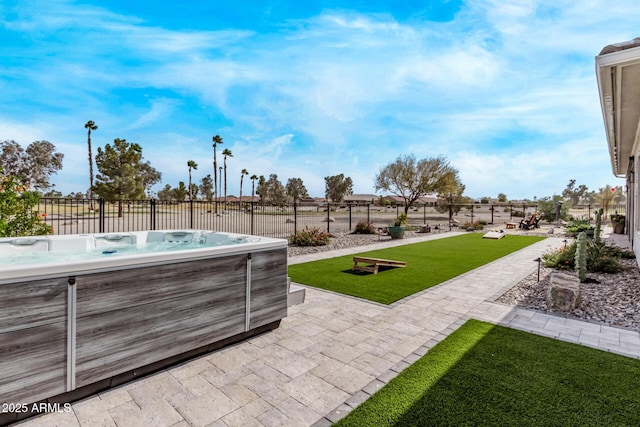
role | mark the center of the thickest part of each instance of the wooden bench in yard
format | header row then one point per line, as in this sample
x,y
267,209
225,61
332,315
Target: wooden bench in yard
x,y
374,263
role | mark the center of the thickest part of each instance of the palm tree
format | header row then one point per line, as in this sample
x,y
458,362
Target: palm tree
x,y
216,140
192,165
90,125
253,185
243,172
220,190
226,153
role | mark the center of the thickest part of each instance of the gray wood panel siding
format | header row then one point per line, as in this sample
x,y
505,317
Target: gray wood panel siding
x,y
32,340
268,287
134,317
130,318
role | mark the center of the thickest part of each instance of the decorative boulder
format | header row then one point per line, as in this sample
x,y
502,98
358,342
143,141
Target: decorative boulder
x,y
563,293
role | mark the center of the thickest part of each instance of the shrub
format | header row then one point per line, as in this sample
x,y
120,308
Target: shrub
x,y
478,225
310,237
547,207
578,226
17,217
600,258
365,228
562,259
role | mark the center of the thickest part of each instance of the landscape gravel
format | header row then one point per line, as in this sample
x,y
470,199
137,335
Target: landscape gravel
x,y
611,299
345,240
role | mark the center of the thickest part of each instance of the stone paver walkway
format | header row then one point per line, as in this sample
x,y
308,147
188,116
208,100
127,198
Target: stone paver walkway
x,y
330,354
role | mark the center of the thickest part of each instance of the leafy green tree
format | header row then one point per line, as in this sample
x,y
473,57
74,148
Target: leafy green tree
x,y
17,217
149,176
206,187
192,165
261,191
575,195
122,174
502,198
33,166
180,192
337,186
619,196
272,190
604,197
547,207
295,189
243,172
412,179
166,193
450,198
90,125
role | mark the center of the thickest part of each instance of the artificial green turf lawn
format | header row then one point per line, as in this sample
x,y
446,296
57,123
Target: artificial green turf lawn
x,y
490,375
428,263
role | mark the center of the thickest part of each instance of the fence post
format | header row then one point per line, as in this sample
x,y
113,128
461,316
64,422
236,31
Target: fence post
x,y
295,217
101,215
191,213
472,206
328,217
349,216
510,212
492,209
589,210
152,211
368,213
252,216
424,214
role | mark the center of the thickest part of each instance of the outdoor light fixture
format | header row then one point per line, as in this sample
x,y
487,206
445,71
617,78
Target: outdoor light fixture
x,y
539,261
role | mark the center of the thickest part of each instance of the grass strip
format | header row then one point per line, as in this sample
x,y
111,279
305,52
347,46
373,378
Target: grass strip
x,y
428,264
491,375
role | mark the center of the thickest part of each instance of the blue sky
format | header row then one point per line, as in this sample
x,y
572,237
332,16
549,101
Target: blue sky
x,y
505,90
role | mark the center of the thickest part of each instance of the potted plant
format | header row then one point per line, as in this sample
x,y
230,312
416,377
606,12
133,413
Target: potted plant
x,y
617,222
396,231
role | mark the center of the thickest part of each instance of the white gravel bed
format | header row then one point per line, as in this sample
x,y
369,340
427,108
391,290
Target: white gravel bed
x,y
614,301
345,240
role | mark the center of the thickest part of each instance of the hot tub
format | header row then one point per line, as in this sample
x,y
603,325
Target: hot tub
x,y
81,313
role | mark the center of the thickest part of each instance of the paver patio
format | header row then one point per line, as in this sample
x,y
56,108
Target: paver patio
x,y
330,354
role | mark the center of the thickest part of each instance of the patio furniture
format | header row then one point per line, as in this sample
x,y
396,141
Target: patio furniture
x,y
531,221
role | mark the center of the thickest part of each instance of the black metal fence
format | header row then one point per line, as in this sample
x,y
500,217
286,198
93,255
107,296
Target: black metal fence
x,y
79,216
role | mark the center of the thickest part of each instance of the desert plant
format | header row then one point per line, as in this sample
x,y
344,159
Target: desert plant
x,y
478,225
581,256
562,259
600,258
617,218
400,220
598,228
364,227
310,237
